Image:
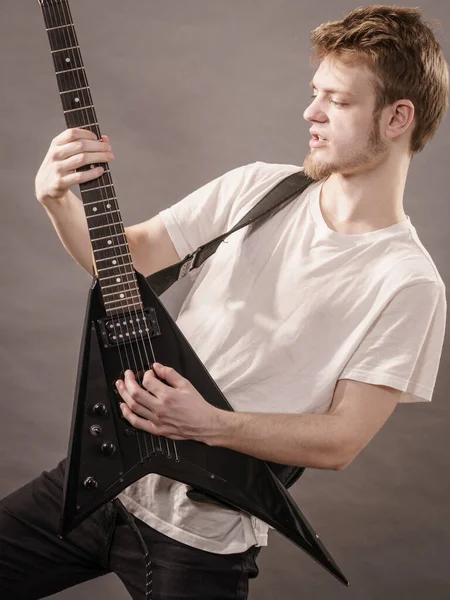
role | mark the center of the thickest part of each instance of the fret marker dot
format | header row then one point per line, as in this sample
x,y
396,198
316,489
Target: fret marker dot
x,y
118,279
94,209
92,166
124,321
108,206
114,262
67,60
109,242
76,99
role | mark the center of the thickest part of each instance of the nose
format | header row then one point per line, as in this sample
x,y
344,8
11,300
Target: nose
x,y
313,112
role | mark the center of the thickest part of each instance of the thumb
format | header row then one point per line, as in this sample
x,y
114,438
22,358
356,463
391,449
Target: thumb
x,y
172,377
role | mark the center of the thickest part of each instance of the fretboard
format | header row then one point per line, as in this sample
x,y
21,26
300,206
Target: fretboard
x,y
110,250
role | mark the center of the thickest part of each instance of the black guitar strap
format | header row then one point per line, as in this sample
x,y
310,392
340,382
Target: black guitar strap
x,y
279,196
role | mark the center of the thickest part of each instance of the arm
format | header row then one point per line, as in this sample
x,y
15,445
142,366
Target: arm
x,y
322,441
169,405
150,245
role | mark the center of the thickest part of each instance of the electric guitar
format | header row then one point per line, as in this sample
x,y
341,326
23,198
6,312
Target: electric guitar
x,y
127,327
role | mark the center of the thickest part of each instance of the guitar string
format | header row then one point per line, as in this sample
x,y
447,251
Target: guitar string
x,y
84,117
68,43
144,321
145,329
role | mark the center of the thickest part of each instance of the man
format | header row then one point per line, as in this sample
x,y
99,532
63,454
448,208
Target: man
x,y
314,326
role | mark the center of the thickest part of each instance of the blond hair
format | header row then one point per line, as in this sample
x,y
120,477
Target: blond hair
x,y
403,56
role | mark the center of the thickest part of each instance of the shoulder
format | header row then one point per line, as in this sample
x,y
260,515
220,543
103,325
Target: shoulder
x,y
249,183
261,172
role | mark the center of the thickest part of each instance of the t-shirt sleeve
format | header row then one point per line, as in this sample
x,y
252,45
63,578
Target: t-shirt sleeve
x,y
205,213
403,347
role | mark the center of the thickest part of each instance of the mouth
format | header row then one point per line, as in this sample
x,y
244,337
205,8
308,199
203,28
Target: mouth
x,y
315,142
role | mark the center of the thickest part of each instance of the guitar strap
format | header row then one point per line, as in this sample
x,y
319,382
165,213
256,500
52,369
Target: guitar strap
x,y
277,198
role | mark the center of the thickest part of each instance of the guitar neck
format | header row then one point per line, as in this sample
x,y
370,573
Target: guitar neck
x,y
110,251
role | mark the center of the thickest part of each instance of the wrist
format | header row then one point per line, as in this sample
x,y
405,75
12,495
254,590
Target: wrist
x,y
51,202
222,428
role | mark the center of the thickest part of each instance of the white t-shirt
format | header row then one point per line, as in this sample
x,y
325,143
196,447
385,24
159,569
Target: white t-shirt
x,y
278,316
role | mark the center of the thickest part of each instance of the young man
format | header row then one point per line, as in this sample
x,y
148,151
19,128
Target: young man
x,y
314,326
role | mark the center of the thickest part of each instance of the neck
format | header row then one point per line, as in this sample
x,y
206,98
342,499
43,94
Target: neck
x,y
365,201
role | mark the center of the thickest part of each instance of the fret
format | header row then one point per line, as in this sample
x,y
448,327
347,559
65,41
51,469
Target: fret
x,y
125,308
119,275
121,292
99,187
93,184
107,237
78,98
72,110
101,214
120,286
90,125
98,202
69,70
74,90
60,39
112,224
67,60
132,287
114,264
59,27
120,300
56,16
68,80
108,249
73,119
63,49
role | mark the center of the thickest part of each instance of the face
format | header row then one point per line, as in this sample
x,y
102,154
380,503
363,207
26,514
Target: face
x,y
344,117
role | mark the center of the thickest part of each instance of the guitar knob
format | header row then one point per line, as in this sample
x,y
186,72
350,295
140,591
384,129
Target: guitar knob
x,y
90,483
108,448
95,430
100,409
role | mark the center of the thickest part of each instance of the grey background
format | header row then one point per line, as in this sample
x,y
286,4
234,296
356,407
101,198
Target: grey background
x,y
188,89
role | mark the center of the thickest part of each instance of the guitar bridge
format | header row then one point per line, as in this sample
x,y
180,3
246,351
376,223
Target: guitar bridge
x,y
128,327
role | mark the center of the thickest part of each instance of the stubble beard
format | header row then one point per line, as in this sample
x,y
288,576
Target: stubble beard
x,y
318,168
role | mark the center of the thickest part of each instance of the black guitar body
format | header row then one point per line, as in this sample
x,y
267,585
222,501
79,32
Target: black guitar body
x,y
106,454
127,327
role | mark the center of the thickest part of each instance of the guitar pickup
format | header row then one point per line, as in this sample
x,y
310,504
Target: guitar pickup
x,y
128,327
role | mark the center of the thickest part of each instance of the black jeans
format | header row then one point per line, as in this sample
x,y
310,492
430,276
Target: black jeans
x,y
35,563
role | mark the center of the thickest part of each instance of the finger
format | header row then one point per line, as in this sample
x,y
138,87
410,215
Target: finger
x,y
137,392
68,181
105,138
133,403
85,158
169,374
79,147
75,133
136,421
152,384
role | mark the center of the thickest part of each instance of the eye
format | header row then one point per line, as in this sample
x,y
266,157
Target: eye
x,y
333,101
